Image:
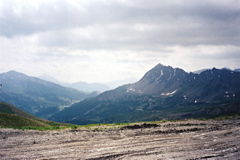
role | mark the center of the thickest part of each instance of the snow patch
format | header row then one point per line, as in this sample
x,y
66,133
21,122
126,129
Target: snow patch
x,y
161,74
140,91
174,73
169,77
130,90
169,94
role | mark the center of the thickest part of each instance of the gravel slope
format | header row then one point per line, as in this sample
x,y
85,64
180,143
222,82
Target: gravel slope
x,y
190,139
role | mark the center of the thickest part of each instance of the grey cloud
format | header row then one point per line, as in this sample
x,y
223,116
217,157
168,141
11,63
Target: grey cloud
x,y
227,56
171,23
46,17
224,53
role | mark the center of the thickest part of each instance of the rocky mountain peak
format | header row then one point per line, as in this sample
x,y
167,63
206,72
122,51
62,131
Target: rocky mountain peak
x,y
162,73
160,80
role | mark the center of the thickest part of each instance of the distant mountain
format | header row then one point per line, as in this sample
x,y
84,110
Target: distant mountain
x,y
36,96
226,68
117,83
88,87
81,86
163,92
13,117
237,70
49,78
200,71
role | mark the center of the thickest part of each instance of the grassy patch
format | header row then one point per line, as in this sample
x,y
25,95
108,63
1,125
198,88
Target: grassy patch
x,y
19,122
228,117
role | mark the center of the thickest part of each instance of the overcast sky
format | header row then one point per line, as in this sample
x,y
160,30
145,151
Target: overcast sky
x,y
105,40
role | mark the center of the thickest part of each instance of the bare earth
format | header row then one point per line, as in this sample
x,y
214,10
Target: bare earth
x,y
190,139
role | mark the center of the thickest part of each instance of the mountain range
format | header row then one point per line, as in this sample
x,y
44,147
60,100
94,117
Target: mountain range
x,y
81,86
162,93
90,87
201,70
36,96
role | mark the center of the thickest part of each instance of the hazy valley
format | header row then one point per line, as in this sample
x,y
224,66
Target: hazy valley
x,y
36,96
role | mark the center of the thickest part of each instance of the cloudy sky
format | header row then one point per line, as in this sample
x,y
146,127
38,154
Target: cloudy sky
x,y
105,40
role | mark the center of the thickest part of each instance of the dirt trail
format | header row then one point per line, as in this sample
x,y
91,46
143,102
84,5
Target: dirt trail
x,y
190,139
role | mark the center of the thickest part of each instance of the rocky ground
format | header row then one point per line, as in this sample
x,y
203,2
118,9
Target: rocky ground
x,y
189,139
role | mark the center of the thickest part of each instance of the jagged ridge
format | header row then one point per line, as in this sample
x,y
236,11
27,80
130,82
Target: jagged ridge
x,y
163,92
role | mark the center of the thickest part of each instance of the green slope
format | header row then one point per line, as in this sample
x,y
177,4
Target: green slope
x,y
12,117
10,109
